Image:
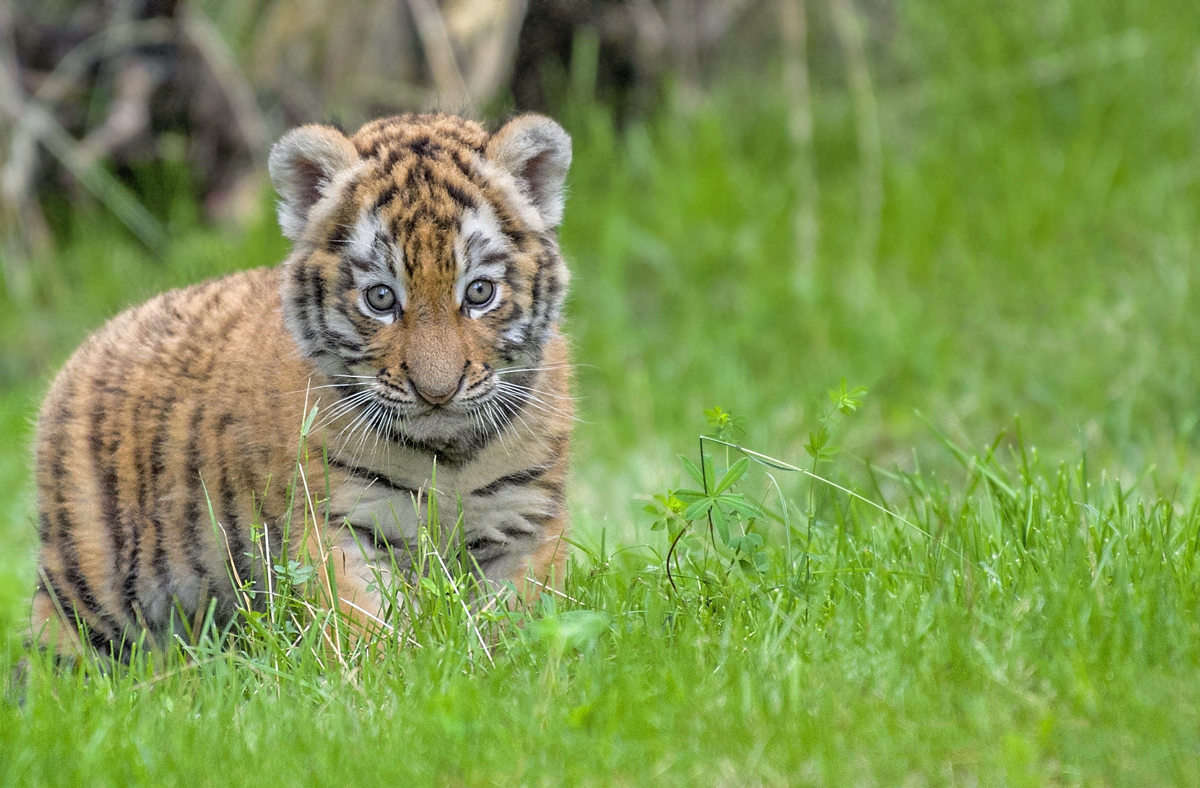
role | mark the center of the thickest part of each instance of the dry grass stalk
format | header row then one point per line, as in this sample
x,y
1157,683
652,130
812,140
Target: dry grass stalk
x,y
447,77
22,226
238,92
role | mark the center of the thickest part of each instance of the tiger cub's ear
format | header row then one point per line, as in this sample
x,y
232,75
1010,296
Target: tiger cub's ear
x,y
302,165
537,152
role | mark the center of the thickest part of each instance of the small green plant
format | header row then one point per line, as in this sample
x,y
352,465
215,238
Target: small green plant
x,y
723,424
718,517
843,402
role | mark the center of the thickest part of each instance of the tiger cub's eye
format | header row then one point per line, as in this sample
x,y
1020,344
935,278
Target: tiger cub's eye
x,y
480,292
381,298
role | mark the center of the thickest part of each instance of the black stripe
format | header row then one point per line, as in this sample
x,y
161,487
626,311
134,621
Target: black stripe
x,y
192,509
120,520
65,530
300,301
53,586
512,480
271,535
229,512
455,453
337,237
129,583
515,318
342,223
386,196
418,174
73,575
424,146
357,319
370,151
514,532
162,568
512,277
106,476
361,264
445,223
97,640
544,261
465,163
486,550
410,257
140,471
458,195
483,380
49,582
222,338
345,284
350,350
553,297
370,475
540,519
379,540
391,157
275,541
474,245
300,298
50,585
316,284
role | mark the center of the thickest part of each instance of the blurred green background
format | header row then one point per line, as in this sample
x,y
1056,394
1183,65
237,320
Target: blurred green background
x,y
977,211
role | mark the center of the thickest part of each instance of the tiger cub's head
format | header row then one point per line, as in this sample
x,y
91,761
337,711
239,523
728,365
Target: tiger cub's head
x,y
425,277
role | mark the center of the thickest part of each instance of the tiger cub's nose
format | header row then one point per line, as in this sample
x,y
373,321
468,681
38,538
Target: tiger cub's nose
x,y
434,396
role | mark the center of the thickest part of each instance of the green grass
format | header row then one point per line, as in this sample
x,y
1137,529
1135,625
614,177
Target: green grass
x,y
1036,619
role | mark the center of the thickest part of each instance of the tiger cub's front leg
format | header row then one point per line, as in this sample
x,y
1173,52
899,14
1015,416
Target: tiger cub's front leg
x,y
514,528
363,580
511,527
370,542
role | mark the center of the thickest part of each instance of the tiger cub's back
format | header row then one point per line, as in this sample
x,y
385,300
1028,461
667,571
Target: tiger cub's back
x,y
170,407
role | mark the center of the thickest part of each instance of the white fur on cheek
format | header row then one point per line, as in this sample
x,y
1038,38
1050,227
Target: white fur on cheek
x,y
360,242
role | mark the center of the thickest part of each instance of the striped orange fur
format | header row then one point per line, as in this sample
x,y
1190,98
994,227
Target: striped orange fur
x,y
419,310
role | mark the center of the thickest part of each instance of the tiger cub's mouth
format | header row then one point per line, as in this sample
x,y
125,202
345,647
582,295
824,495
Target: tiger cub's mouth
x,y
392,407
398,411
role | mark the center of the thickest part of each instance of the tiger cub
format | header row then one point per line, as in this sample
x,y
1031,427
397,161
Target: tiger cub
x,y
418,311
